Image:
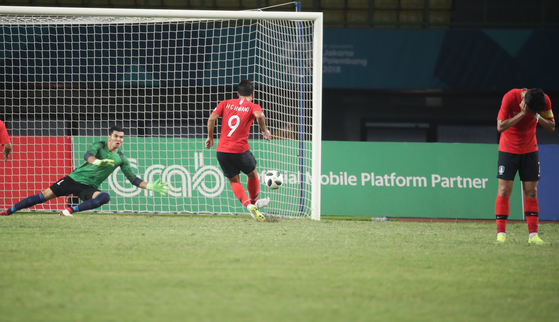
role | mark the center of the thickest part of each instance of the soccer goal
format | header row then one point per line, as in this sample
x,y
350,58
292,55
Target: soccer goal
x,y
69,74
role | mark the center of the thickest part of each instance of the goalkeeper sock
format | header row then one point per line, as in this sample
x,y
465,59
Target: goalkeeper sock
x,y
27,202
240,193
501,213
531,212
253,187
96,202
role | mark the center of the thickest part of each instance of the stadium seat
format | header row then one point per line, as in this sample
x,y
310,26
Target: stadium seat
x,y
39,3
334,16
385,16
439,16
413,17
440,4
73,3
100,3
251,4
412,4
358,16
196,4
227,4
358,4
386,4
16,2
120,3
179,4
332,4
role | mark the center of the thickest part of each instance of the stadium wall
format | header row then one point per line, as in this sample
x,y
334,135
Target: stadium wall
x,y
422,180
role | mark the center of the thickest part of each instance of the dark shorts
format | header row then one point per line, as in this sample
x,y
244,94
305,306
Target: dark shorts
x,y
68,186
233,163
527,165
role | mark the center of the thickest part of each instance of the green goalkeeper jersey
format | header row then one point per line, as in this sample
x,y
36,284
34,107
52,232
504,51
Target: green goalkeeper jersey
x,y
93,175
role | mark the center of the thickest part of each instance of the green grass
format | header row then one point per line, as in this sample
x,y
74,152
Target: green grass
x,y
208,268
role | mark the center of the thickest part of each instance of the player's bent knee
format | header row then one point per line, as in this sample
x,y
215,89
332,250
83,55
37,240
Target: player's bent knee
x,y
102,198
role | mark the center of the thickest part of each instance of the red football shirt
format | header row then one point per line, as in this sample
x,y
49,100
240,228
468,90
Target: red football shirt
x,y
520,138
4,138
237,117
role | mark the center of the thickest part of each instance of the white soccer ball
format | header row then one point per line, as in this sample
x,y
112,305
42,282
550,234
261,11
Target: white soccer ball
x,y
273,179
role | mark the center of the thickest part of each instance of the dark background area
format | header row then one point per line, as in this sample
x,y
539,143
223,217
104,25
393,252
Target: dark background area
x,y
348,114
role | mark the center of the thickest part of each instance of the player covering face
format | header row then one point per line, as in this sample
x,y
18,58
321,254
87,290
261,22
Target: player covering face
x,y
521,111
101,159
233,150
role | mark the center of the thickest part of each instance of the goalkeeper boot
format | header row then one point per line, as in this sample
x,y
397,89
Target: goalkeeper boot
x,y
501,238
4,213
535,240
261,203
67,212
255,213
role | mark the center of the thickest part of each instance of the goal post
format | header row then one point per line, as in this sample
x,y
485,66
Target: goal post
x,y
68,74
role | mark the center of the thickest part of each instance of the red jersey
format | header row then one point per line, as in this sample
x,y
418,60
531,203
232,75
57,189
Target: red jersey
x,y
520,138
238,115
4,138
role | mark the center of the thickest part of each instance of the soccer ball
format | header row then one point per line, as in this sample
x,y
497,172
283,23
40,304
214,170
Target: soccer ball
x,y
273,179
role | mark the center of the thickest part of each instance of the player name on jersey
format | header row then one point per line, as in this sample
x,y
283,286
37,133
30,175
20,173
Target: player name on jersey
x,y
237,108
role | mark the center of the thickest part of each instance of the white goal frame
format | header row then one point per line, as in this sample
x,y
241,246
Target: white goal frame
x,y
315,17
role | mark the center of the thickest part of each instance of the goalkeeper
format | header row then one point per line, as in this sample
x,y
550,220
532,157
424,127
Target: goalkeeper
x,y
102,158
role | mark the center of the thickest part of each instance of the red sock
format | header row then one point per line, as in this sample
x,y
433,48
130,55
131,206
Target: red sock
x,y
240,193
501,213
531,211
253,187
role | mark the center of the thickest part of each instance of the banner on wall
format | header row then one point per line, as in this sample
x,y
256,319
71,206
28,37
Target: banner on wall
x,y
422,180
418,59
425,180
36,163
195,179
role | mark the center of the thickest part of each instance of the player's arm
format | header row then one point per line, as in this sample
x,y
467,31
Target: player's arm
x,y
100,163
157,186
211,127
261,120
503,125
7,150
546,119
90,156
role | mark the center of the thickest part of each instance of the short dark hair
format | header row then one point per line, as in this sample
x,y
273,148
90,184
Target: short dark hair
x,y
535,100
245,88
115,128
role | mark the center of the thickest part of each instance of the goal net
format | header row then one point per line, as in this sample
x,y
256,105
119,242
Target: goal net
x,y
68,74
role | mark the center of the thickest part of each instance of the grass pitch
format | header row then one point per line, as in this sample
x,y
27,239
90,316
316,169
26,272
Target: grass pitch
x,y
206,268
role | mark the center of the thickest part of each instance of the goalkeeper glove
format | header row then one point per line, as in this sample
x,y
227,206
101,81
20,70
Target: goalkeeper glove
x,y
157,186
104,163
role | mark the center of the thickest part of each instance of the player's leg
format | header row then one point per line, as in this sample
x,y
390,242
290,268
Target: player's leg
x,y
531,210
253,186
30,202
508,166
529,173
227,162
247,164
231,165
93,198
502,208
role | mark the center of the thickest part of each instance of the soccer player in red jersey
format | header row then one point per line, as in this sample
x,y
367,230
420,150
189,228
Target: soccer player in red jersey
x,y
233,150
521,110
5,141
101,159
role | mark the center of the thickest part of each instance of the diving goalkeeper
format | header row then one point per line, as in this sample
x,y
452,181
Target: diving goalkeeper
x,y
102,158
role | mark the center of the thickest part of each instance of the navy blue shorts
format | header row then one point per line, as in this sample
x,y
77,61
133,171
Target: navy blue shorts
x,y
233,163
